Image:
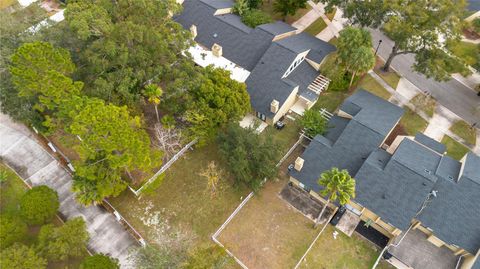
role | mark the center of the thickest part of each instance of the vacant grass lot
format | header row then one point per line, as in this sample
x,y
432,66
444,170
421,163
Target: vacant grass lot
x,y
11,192
454,149
465,131
267,7
316,27
368,83
267,232
343,252
6,3
424,103
412,123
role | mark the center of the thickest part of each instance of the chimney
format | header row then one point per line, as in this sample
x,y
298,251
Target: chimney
x,y
217,50
299,164
193,30
274,106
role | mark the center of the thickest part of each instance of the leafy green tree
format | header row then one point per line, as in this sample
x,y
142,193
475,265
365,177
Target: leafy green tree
x,y
12,229
128,44
99,261
39,70
153,93
21,256
60,243
313,123
13,26
288,7
419,27
240,7
355,51
337,185
217,100
112,142
207,257
251,158
39,205
255,17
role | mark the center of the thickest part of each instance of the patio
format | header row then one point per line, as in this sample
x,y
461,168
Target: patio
x,y
250,120
417,252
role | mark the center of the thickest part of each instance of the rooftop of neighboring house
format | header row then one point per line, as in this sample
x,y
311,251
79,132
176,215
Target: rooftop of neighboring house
x,y
349,142
267,51
395,185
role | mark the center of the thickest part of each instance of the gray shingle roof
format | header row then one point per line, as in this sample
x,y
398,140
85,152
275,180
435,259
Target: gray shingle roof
x,y
219,4
265,82
430,143
472,167
302,42
241,44
277,28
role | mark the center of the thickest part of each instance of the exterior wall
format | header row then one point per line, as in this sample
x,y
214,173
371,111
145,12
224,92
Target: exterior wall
x,y
286,105
389,133
469,260
395,143
223,11
344,114
313,64
378,224
287,34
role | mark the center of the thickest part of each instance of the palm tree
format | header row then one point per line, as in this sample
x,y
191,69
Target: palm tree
x,y
337,185
153,92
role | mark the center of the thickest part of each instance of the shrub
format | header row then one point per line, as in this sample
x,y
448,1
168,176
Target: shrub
x,y
313,122
39,205
21,256
255,17
60,243
12,229
99,261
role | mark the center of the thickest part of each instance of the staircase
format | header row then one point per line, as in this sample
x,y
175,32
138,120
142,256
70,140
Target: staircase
x,y
319,84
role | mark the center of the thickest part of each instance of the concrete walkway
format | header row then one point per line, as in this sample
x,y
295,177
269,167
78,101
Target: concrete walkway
x,y
20,150
306,19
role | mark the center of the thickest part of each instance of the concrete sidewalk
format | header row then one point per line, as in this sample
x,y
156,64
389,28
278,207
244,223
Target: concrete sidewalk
x,y
20,150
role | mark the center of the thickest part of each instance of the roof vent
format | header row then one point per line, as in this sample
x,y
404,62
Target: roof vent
x,y
215,35
424,184
428,171
450,177
384,196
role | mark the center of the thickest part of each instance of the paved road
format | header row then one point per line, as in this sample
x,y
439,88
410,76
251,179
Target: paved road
x,y
19,149
453,95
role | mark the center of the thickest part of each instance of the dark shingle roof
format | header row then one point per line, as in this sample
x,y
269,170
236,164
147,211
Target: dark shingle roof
x,y
448,168
302,42
394,193
240,43
265,83
430,143
471,168
277,28
347,152
219,4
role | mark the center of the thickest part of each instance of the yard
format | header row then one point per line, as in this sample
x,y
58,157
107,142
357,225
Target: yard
x,y
7,3
424,103
316,27
465,131
469,52
390,77
368,83
342,252
454,149
182,208
267,7
412,123
11,192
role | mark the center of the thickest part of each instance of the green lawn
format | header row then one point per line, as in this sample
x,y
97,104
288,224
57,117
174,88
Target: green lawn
x,y
333,41
316,27
425,103
267,7
412,123
331,14
285,137
454,149
370,84
465,131
391,77
467,51
343,252
330,100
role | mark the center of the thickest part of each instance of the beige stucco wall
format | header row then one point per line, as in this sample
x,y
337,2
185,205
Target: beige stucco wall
x,y
286,105
379,225
469,260
287,34
223,11
313,64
